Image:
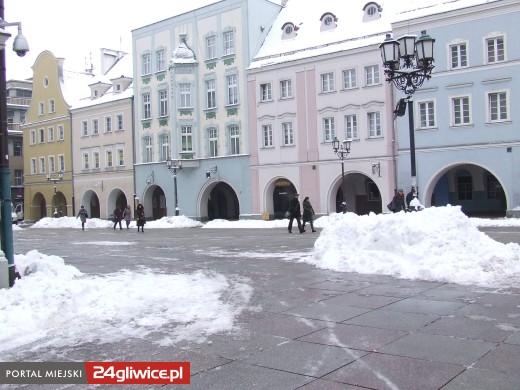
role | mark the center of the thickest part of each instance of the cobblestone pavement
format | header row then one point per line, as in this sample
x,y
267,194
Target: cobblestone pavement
x,y
313,328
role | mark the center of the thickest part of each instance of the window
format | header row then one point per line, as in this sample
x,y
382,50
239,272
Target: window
x,y
42,165
234,138
464,186
459,57
95,158
84,128
349,79
351,130
33,166
61,163
160,61
374,124
61,133
147,106
18,177
148,149
211,49
109,159
327,82
267,133
163,102
213,142
18,148
50,134
232,89
495,50
165,146
108,124
328,128
493,187
146,64
185,92
52,107
372,75
95,127
52,166
32,139
229,43
497,107
460,109
211,94
41,108
120,157
186,139
265,92
286,89
119,122
85,159
41,137
288,134
426,115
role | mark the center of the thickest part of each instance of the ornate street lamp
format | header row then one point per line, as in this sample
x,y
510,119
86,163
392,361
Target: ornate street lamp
x,y
173,166
408,62
55,180
342,150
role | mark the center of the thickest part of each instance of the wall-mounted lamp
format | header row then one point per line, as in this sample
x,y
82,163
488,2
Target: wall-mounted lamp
x,y
150,178
211,171
376,169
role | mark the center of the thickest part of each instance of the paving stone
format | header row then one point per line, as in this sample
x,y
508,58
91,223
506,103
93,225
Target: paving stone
x,y
321,384
387,319
422,306
503,315
362,300
327,312
504,358
478,379
453,293
287,326
394,290
340,285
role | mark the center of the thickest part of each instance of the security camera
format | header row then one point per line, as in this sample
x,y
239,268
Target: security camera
x,y
20,45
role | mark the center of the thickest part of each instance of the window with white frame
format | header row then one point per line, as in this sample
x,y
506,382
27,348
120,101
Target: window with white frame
x,y
495,49
211,94
42,165
459,55
61,133
234,138
327,82
84,128
329,130
267,135
426,114
41,138
33,166
232,89
286,89
351,128
108,124
213,142
372,75
109,159
85,160
211,47
498,106
32,137
160,61
95,127
120,122
164,140
163,103
61,163
185,94
147,106
146,63
288,134
186,138
50,134
41,108
265,92
52,166
349,78
95,159
120,156
148,149
374,124
229,43
461,111
52,106
18,177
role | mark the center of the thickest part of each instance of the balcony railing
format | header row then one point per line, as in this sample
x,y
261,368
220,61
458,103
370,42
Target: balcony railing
x,y
23,101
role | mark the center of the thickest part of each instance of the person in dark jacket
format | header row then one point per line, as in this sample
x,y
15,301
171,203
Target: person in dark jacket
x,y
83,215
398,203
118,216
409,198
140,217
308,214
295,213
127,215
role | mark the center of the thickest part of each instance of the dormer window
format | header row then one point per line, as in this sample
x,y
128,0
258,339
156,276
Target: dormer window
x,y
289,30
328,21
372,11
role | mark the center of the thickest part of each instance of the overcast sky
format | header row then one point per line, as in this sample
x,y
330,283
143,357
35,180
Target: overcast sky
x,y
72,29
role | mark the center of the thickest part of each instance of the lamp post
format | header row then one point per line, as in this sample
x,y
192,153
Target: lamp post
x,y
408,62
21,47
55,180
173,166
342,150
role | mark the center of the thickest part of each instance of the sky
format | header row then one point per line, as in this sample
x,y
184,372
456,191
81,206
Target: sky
x,y
56,305
72,30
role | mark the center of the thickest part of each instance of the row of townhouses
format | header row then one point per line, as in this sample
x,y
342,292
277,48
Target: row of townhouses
x,y
228,110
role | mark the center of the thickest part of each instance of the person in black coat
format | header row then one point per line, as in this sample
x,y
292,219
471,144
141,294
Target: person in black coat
x,y
398,203
295,213
118,216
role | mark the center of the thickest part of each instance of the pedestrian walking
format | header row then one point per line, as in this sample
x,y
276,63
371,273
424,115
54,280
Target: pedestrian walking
x,y
118,216
295,213
140,217
127,215
397,204
83,215
308,214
